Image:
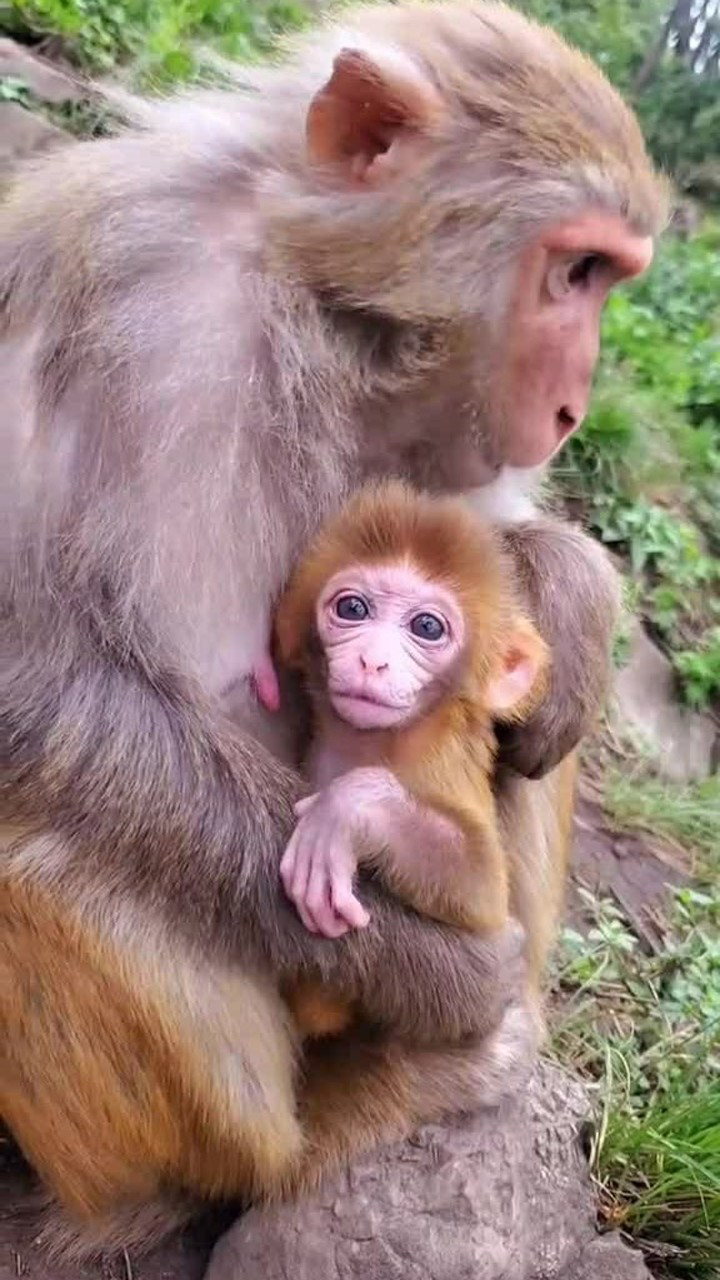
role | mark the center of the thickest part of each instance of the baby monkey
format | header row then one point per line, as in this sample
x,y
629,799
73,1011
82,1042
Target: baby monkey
x,y
403,620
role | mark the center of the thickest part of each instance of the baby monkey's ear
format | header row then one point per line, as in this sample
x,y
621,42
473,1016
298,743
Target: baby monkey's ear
x,y
520,678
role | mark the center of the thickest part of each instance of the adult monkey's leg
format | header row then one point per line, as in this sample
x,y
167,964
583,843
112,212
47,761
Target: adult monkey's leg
x,y
128,1073
133,1067
572,592
536,821
360,1092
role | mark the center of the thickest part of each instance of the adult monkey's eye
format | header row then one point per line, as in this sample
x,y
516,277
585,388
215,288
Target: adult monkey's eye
x,y
567,274
351,608
426,626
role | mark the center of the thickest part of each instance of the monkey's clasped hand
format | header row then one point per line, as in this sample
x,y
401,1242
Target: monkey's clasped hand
x,y
319,864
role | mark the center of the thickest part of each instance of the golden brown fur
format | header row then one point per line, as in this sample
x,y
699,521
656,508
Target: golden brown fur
x,y
445,757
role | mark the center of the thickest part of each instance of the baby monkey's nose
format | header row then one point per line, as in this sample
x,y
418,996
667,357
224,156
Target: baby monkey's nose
x,y
371,664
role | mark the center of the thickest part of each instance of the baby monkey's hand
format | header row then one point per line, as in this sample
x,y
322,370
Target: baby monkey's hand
x,y
319,864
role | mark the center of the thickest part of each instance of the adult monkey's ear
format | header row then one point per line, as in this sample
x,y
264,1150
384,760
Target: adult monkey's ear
x,y
363,119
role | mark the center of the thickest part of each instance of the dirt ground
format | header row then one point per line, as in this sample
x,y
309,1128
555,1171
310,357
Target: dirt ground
x,y
602,859
183,1259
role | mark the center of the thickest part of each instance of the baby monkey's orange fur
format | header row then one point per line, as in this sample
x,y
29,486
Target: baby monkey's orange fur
x,y
443,757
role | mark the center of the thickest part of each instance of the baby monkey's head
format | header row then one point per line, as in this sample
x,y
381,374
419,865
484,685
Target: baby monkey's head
x,y
401,602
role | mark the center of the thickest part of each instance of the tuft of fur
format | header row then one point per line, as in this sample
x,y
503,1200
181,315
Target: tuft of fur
x,y
138,1228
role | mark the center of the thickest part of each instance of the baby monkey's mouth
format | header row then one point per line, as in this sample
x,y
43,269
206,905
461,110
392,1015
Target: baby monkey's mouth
x,y
363,695
365,710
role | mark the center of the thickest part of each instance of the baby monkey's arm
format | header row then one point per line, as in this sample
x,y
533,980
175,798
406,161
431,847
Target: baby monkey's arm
x,y
430,861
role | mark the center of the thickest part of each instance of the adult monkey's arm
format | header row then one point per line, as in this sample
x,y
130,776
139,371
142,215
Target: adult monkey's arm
x,y
573,594
153,799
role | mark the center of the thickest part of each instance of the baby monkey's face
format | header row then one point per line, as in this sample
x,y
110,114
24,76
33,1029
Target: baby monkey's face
x,y
393,641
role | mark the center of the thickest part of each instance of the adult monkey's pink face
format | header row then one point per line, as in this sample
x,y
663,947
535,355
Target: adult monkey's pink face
x,y
552,338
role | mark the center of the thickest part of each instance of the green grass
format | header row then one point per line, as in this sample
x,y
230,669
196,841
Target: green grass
x,y
659,1177
645,1031
688,815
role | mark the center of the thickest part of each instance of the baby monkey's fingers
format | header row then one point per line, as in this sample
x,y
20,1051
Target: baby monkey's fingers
x,y
303,806
333,924
347,906
318,897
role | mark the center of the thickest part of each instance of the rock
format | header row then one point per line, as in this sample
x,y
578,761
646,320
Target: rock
x,y
23,134
47,82
500,1195
647,700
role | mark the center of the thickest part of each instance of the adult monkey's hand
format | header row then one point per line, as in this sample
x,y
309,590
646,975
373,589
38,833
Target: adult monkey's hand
x,y
572,592
217,813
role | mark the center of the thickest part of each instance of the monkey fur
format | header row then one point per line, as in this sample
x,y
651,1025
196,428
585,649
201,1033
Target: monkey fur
x,y
214,327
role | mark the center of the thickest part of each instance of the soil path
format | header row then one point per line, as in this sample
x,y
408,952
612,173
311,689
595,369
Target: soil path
x,y
602,860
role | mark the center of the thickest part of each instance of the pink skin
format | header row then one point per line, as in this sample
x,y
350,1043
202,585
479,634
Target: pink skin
x,y
379,673
265,681
552,339
368,805
378,668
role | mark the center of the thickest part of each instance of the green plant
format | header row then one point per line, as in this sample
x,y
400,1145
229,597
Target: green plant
x,y
645,1029
699,671
659,1178
676,586
14,90
160,38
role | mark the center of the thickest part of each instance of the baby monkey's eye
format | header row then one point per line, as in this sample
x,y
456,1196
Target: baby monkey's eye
x,y
426,626
351,608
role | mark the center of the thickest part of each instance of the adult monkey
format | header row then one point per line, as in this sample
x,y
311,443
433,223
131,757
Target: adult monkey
x,y
390,255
